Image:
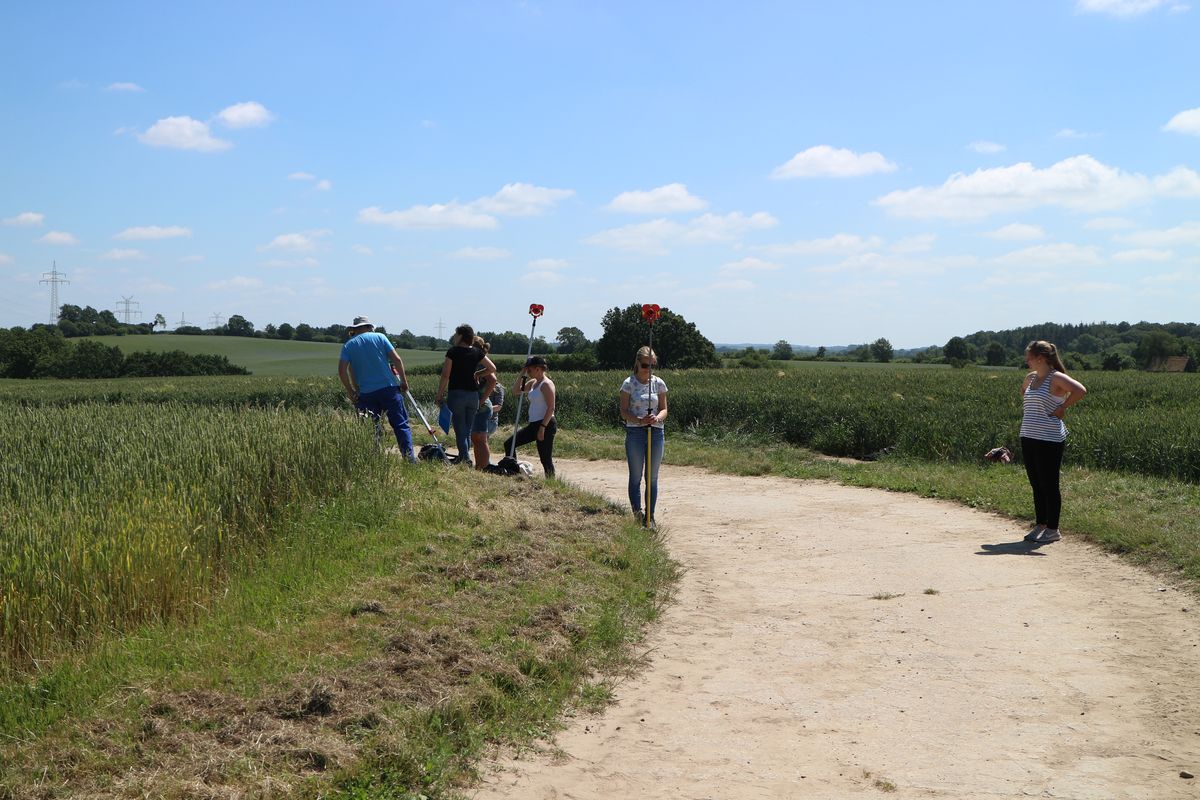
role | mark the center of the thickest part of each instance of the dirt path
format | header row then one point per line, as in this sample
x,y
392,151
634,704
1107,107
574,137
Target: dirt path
x,y
781,672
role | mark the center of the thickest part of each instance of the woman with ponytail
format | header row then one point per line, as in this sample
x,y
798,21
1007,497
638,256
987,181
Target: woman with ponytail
x,y
1048,391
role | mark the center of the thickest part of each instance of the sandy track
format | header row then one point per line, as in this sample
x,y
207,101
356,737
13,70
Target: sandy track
x,y
1060,672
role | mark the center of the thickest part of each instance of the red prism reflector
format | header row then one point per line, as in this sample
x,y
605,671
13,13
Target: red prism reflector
x,y
651,312
536,309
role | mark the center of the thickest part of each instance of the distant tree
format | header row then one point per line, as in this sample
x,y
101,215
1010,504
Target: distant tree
x,y
996,354
783,351
304,332
571,340
239,326
159,322
270,331
881,350
285,331
406,340
1155,346
958,351
679,343
1087,344
821,351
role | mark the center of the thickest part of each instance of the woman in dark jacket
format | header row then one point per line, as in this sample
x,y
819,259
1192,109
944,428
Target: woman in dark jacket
x,y
459,386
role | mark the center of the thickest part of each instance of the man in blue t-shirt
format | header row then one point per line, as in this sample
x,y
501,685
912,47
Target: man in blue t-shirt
x,y
368,368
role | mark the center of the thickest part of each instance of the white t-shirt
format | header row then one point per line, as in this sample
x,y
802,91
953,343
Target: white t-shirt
x,y
643,398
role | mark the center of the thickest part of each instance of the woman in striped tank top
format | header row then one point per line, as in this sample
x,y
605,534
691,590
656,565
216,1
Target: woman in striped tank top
x,y
1047,393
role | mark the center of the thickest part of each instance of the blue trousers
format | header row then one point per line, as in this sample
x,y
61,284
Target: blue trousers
x,y
635,454
463,404
389,400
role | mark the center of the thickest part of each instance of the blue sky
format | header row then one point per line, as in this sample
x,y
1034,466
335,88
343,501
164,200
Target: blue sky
x,y
824,173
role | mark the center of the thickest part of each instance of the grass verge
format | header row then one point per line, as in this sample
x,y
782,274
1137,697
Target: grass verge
x,y
390,638
1151,520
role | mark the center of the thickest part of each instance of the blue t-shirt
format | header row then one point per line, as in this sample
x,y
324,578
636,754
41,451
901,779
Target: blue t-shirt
x,y
368,357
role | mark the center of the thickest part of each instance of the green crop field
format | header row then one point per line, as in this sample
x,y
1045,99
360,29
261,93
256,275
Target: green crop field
x,y
260,356
139,449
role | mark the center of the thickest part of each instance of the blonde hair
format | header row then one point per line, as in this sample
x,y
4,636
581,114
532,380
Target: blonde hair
x,y
643,352
1047,351
482,345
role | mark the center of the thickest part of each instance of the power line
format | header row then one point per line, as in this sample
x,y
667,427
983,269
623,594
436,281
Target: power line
x,y
54,280
127,311
440,327
217,319
182,321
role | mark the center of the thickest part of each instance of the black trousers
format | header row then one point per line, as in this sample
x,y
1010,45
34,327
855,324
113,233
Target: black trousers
x,y
545,447
1043,464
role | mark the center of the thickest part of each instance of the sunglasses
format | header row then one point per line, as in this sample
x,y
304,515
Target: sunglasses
x,y
645,364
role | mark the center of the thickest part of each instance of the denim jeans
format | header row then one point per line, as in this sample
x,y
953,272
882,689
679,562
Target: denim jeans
x,y
463,403
635,454
389,400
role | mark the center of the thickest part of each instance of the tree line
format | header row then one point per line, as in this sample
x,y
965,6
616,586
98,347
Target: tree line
x,y
55,351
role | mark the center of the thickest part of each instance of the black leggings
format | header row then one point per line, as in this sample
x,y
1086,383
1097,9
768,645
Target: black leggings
x,y
545,447
1043,463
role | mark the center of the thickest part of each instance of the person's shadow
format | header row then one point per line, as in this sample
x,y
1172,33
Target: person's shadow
x,y
1017,548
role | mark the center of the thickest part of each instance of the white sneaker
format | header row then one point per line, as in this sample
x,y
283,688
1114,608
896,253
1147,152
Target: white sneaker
x,y
1034,533
1048,535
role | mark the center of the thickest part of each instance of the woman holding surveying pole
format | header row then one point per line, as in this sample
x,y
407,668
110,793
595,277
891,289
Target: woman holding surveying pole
x,y
644,411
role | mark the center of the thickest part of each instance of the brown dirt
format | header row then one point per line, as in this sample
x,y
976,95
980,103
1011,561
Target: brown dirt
x,y
781,671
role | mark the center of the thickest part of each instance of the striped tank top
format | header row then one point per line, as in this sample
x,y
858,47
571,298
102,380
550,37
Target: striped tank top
x,y
1036,419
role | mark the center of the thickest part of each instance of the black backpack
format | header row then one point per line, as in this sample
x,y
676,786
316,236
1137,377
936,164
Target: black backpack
x,y
435,452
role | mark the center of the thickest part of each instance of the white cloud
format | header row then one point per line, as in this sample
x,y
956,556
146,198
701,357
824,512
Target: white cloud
x,y
286,263
1052,255
239,282
1017,232
1185,122
1179,182
1120,8
191,259
58,237
183,133
548,264
123,87
149,232
648,238
1079,183
324,185
921,243
669,199
987,148
717,228
26,219
1071,133
295,242
652,238
302,176
521,200
5,258
1107,224
1143,255
735,285
123,254
542,277
362,250
245,115
824,161
481,253
838,243
1186,234
748,264
449,215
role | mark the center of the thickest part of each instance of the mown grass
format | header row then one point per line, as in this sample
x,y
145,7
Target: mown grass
x,y
260,356
388,638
